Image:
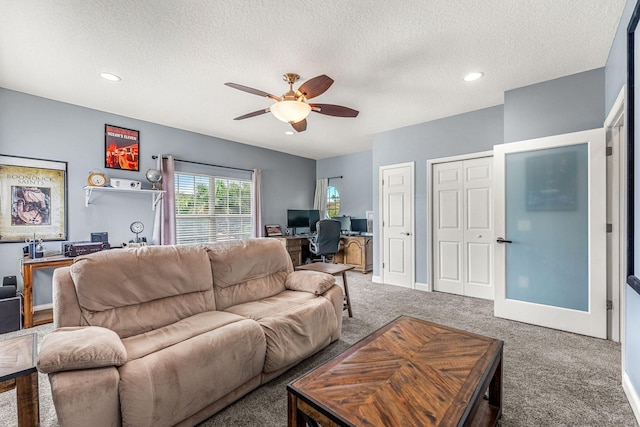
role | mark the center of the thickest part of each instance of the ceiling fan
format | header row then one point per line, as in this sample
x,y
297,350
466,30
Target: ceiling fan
x,y
292,106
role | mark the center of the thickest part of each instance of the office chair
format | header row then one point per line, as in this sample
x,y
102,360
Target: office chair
x,y
327,240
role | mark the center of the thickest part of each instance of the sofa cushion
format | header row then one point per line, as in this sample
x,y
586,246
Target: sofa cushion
x,y
136,290
248,270
170,385
309,281
295,324
70,348
146,343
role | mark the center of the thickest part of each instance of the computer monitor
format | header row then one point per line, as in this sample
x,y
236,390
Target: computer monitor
x,y
297,218
359,225
345,223
314,217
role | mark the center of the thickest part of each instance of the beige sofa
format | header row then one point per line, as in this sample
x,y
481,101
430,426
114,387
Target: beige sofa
x,y
170,335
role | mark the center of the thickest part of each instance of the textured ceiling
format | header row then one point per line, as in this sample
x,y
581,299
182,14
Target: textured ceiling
x,y
398,62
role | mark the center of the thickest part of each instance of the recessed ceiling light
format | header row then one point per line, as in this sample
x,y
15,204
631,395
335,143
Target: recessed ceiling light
x,y
110,76
289,132
473,76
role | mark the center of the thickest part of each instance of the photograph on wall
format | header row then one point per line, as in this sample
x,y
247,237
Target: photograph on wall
x,y
33,199
122,148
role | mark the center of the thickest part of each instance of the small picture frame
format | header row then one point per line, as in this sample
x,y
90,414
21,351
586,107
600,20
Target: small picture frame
x,y
122,148
273,230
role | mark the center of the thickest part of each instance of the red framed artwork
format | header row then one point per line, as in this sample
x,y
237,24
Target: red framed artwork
x,y
122,148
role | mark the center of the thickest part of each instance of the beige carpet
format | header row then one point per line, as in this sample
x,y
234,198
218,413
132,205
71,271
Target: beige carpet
x,y
551,378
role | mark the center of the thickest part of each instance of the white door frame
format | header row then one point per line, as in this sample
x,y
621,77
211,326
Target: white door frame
x,y
616,117
412,196
430,215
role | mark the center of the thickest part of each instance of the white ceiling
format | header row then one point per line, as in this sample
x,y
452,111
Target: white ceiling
x,y
398,62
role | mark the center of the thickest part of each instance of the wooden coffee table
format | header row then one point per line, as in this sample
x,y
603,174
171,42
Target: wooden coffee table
x,y
408,373
18,370
334,270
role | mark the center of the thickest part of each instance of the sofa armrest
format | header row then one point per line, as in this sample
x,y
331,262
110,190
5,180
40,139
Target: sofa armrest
x,y
83,347
314,282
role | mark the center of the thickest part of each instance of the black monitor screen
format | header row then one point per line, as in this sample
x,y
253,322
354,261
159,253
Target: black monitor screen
x,y
359,225
297,218
345,222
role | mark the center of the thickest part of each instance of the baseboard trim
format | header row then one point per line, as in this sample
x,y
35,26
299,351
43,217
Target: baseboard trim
x,y
376,279
423,287
43,306
632,395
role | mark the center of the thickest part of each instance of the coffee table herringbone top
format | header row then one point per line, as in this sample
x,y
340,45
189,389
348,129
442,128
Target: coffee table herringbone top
x,y
408,373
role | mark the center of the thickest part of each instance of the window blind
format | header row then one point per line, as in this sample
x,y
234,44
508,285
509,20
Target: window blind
x,y
212,208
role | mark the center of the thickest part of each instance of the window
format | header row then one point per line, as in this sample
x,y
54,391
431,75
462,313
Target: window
x,y
211,208
333,202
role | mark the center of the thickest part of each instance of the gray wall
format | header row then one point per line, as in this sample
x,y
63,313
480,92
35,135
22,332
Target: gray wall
x,y
567,104
465,133
37,127
355,188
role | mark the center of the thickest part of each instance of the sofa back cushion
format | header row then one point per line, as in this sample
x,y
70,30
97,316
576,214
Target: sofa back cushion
x,y
248,270
132,291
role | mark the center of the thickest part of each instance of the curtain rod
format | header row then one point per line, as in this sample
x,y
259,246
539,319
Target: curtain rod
x,y
206,164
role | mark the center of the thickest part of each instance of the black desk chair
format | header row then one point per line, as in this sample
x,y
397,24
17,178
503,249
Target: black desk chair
x,y
327,240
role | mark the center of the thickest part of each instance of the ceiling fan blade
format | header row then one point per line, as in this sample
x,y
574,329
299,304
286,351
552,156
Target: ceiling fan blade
x,y
300,126
334,110
252,90
253,114
314,87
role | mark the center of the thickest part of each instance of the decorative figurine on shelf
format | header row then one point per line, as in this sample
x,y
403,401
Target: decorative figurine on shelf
x,y
154,176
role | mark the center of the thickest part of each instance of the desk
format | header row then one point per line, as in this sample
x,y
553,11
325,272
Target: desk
x,y
297,246
28,266
356,251
353,250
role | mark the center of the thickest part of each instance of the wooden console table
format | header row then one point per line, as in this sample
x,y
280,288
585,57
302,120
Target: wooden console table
x,y
39,317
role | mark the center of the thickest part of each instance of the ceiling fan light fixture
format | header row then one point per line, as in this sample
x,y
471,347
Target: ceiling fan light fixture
x,y
290,111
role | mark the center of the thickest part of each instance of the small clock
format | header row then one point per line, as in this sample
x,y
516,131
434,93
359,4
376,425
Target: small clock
x,y
97,179
136,227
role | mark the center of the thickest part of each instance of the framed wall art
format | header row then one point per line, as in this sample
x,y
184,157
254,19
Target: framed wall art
x,y
33,199
273,230
122,148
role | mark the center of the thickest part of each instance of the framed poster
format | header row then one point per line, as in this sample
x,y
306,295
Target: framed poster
x,y
33,199
122,148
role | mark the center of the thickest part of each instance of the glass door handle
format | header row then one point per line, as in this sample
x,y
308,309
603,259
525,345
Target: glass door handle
x,y
501,240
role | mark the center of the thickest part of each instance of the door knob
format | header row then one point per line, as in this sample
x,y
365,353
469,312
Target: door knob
x,y
501,240
407,234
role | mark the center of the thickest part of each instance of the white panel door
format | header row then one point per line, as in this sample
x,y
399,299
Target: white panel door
x,y
397,225
478,228
448,218
463,223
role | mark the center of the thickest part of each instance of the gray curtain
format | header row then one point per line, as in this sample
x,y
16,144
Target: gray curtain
x,y
164,227
257,203
320,199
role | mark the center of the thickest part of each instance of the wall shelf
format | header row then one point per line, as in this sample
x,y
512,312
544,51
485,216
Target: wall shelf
x,y
156,195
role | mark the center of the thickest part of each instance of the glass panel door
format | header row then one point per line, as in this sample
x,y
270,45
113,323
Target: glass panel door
x,y
550,223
